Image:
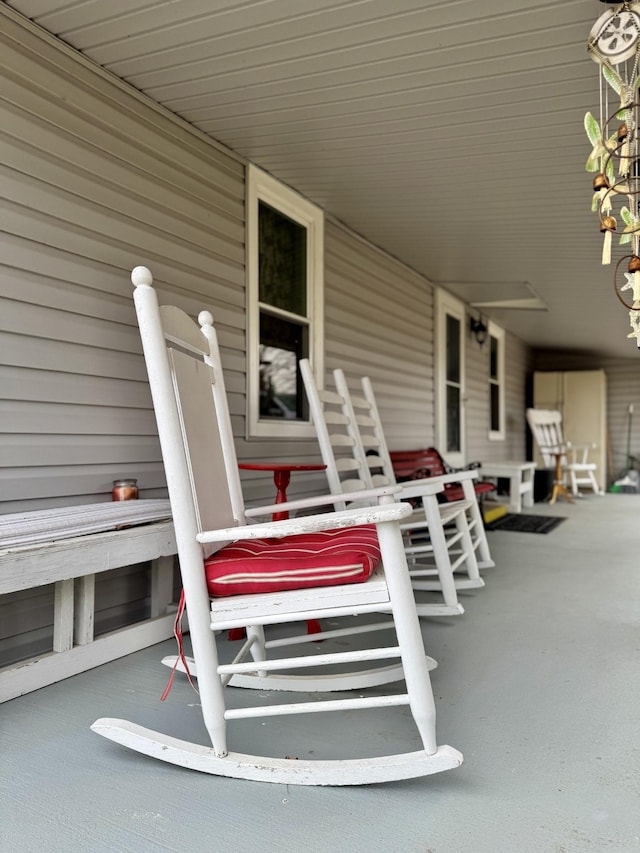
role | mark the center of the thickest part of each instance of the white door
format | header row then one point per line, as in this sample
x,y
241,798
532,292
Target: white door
x,y
450,378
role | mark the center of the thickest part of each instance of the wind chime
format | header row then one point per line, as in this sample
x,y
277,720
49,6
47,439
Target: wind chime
x,y
614,44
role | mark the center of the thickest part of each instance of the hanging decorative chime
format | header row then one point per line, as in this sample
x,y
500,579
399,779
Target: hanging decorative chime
x,y
614,44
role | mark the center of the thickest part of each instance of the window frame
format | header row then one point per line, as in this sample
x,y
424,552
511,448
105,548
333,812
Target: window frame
x,y
498,333
262,187
448,305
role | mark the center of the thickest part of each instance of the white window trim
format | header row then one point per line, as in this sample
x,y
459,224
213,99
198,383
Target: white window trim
x,y
498,333
262,187
445,304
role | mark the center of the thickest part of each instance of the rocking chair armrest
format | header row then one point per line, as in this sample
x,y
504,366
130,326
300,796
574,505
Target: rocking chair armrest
x,y
309,523
371,495
425,486
454,476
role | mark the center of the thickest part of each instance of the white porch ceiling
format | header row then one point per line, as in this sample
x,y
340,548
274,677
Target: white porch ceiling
x,y
447,132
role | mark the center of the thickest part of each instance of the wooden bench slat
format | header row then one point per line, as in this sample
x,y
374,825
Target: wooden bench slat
x,y
31,528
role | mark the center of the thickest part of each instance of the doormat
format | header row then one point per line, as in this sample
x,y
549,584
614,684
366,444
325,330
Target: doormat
x,y
526,523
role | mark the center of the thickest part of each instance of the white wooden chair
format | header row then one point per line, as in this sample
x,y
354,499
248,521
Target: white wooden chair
x,y
373,439
213,541
566,458
348,468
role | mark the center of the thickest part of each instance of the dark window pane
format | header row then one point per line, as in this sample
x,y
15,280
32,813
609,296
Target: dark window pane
x,y
282,258
453,418
282,345
493,358
453,349
494,391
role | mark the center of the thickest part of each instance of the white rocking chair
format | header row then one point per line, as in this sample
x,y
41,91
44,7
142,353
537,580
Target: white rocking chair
x,y
213,539
373,441
563,456
348,468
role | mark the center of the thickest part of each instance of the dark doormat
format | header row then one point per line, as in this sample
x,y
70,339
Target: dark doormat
x,y
526,523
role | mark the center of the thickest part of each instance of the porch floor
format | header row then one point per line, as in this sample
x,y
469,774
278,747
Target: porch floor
x,y
537,685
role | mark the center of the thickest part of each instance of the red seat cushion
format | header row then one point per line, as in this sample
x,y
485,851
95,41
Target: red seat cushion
x,y
294,562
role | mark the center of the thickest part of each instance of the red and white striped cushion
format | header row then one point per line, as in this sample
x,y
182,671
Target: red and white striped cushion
x,y
294,562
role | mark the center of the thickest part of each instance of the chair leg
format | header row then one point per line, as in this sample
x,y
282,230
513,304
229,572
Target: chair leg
x,y
574,484
476,524
595,485
469,561
442,561
409,636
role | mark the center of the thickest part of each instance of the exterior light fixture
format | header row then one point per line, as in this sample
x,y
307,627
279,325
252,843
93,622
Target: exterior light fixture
x,y
478,330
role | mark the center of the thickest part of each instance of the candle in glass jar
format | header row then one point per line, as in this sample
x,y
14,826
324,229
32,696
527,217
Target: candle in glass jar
x,y
124,490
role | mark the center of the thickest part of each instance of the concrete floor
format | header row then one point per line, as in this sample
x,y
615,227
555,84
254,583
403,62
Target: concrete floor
x,y
537,685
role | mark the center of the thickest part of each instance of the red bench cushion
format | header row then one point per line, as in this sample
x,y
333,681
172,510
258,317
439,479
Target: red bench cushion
x,y
294,562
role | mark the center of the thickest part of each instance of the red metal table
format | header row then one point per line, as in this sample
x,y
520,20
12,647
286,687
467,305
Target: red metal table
x,y
281,477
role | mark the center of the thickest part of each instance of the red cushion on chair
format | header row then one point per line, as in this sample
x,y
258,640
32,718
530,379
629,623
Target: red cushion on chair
x,y
294,562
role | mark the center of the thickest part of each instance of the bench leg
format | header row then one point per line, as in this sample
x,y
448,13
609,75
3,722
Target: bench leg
x,y
515,496
161,585
527,487
85,589
63,616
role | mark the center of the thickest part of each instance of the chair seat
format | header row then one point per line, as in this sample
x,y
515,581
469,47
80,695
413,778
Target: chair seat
x,y
294,562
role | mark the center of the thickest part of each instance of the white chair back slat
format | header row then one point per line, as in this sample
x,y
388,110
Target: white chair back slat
x,y
347,464
329,397
335,418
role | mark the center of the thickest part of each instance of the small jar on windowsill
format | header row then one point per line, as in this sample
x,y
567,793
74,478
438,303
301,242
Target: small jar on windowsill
x,y
124,490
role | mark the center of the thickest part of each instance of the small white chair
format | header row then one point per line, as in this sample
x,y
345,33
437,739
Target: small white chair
x,y
432,558
563,456
237,574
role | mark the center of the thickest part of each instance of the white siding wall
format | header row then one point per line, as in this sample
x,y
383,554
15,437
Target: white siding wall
x,y
379,323
93,183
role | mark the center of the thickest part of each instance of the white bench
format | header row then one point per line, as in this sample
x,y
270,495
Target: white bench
x,y
67,547
520,476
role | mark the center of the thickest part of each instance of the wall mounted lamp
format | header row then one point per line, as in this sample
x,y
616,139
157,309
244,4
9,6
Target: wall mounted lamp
x,y
478,330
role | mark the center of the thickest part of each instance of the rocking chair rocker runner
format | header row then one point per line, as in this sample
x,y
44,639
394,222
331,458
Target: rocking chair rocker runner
x,y
213,539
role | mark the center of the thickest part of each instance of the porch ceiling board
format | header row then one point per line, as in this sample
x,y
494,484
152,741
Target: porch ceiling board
x,y
450,134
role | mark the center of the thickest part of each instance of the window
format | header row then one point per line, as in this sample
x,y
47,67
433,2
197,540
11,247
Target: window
x,y
285,245
496,383
450,378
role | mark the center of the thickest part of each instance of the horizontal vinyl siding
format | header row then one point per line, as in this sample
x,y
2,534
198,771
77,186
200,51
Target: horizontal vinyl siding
x,y
379,323
93,182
